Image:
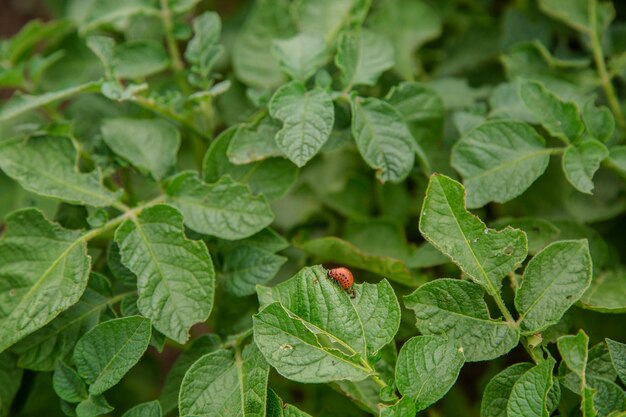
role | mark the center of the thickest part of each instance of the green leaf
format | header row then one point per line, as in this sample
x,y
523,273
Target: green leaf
x,y
221,383
362,56
67,384
367,394
618,357
605,294
199,347
599,121
150,145
499,160
417,102
301,55
560,118
31,34
274,405
272,177
203,50
529,395
577,13
246,265
485,255
553,281
103,47
23,103
10,380
46,165
426,256
175,275
316,335
326,17
252,61
379,311
149,409
295,351
254,144
382,138
311,296
581,161
408,24
574,351
403,408
41,350
617,158
456,309
423,111
540,232
139,59
93,406
427,368
277,408
44,270
333,249
307,117
599,362
267,239
291,411
102,12
609,397
108,351
183,6
498,390
225,209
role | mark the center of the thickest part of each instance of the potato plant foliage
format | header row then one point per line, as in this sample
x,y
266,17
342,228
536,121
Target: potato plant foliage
x,y
178,176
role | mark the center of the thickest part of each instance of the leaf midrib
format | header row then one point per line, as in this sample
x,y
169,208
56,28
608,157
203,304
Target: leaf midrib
x,y
488,282
543,292
117,353
157,264
502,166
327,352
47,272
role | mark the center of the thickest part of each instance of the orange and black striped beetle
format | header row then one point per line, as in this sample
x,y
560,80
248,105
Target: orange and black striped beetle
x,y
344,278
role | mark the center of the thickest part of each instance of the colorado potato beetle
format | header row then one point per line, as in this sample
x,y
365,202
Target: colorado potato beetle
x,y
344,278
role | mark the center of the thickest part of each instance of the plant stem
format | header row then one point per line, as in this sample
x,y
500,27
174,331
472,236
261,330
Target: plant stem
x,y
178,65
172,45
598,57
150,104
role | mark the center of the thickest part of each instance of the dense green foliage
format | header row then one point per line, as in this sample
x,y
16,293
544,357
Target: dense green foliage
x,y
176,177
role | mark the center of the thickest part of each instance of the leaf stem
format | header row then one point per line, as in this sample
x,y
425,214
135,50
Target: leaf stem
x,y
505,311
379,381
513,280
607,163
373,374
530,350
598,56
237,340
120,297
127,213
